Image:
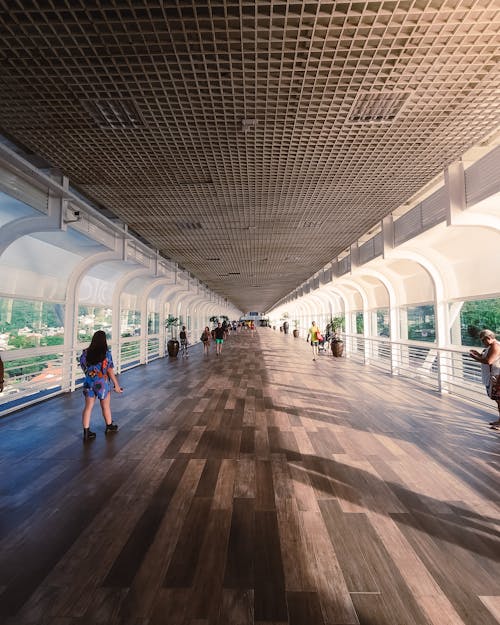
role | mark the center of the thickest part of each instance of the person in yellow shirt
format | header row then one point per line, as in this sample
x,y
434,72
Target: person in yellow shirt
x,y
313,333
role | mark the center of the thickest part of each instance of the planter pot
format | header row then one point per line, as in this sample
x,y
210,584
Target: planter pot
x,y
285,327
337,348
173,348
295,333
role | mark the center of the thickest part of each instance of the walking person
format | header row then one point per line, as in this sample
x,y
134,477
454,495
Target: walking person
x,y
490,366
313,333
219,334
97,364
205,339
184,342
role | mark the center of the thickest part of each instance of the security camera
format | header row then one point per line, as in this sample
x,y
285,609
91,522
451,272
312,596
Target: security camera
x,y
76,217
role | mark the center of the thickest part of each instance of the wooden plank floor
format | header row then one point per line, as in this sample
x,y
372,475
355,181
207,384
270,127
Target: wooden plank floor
x,y
258,487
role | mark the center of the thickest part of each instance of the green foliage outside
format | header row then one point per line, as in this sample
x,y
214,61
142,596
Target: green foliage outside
x,y
28,366
421,323
17,313
41,318
479,315
360,324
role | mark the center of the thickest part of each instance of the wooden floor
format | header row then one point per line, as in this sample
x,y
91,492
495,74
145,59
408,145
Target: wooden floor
x,y
258,487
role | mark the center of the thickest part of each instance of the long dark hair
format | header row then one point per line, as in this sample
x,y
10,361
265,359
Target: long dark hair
x,y
98,347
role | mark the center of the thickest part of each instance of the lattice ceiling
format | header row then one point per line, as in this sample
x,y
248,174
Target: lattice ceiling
x,y
252,142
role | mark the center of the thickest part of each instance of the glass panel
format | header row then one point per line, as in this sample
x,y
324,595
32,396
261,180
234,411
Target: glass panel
x,y
383,328
470,317
418,323
25,323
130,323
91,319
360,323
153,323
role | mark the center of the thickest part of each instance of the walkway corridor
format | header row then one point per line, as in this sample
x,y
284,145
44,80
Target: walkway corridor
x,y
258,487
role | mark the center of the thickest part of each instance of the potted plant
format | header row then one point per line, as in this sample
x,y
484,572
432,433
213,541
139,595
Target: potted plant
x,y
172,322
296,328
335,327
285,323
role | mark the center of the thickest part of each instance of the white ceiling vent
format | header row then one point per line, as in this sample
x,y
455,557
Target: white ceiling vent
x,y
377,107
114,113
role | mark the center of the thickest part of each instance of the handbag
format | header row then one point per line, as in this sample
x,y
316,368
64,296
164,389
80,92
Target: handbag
x,y
319,337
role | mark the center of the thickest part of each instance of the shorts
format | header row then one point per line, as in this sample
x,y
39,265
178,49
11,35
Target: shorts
x,y
219,341
99,389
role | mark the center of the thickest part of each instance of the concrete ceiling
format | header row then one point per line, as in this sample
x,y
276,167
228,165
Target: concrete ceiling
x,y
252,142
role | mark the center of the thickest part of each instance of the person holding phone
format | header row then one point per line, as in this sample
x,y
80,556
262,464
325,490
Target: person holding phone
x,y
490,366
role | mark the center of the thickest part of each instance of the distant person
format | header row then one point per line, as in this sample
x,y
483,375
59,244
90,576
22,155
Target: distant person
x,y
1,375
313,333
184,341
97,364
490,366
219,333
205,339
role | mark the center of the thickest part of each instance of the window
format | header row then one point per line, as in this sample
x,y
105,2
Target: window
x,y
130,323
383,327
359,322
153,323
468,318
418,323
26,323
91,319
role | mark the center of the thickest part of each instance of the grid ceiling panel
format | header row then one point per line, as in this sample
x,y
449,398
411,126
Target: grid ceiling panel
x,y
237,115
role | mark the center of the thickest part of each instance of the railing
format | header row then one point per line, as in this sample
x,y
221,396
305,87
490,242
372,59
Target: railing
x,y
37,373
130,352
153,347
34,374
444,369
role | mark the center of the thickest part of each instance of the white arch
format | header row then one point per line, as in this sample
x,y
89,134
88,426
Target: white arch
x,y
24,226
437,278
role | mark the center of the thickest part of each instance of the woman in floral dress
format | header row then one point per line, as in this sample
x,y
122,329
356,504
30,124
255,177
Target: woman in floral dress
x,y
97,364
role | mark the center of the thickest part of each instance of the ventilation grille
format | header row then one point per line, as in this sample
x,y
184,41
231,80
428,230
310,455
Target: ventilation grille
x,y
369,108
188,225
114,113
